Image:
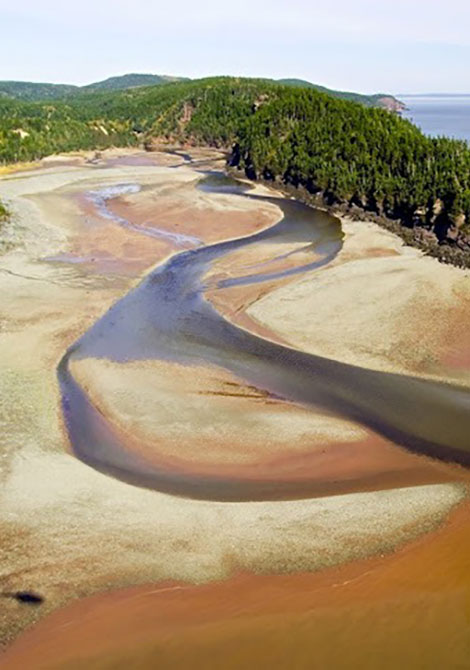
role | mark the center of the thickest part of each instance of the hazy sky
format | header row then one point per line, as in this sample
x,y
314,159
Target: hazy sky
x,y
363,45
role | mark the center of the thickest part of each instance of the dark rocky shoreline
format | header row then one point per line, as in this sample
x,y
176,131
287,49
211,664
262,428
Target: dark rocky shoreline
x,y
454,249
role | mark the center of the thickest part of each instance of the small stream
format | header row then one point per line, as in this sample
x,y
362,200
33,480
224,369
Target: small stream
x,y
100,200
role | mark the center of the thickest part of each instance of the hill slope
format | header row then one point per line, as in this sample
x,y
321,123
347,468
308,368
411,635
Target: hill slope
x,y
29,91
376,100
130,81
34,92
340,151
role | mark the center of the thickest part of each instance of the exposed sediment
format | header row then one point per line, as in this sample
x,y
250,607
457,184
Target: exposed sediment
x,y
69,531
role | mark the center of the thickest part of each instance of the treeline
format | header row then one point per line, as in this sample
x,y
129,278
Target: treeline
x,y
337,150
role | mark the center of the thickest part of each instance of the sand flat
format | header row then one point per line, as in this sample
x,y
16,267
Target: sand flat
x,y
386,611
379,304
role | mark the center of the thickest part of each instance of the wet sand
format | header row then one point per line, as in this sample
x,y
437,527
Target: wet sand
x,y
385,612
416,313
69,531
255,444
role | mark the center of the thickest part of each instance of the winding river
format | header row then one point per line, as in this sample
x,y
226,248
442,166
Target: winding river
x,y
168,317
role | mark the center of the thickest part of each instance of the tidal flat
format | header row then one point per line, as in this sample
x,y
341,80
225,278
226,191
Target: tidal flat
x,y
332,516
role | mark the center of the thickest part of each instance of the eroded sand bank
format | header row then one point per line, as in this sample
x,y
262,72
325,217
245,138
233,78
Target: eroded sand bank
x,y
69,531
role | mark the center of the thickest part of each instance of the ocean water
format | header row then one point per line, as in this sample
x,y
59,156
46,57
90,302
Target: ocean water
x,y
440,114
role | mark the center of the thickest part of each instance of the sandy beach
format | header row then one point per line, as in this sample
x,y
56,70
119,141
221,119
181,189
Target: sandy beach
x,y
70,532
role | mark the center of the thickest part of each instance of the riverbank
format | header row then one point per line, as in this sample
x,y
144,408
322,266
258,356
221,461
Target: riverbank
x,y
453,249
69,531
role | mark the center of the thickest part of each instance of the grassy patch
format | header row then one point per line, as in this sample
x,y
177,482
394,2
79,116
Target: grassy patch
x,y
3,212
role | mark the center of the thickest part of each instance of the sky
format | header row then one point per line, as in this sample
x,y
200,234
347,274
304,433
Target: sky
x,y
399,46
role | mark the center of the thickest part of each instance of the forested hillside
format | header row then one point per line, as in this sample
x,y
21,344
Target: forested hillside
x,y
29,91
384,100
34,92
130,81
29,131
336,150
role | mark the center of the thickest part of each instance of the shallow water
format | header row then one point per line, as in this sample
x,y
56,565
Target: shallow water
x,y
101,197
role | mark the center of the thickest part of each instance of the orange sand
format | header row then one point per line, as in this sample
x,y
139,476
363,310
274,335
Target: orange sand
x,y
410,610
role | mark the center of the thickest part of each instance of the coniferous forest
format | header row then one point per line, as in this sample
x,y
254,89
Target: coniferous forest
x,y
337,151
